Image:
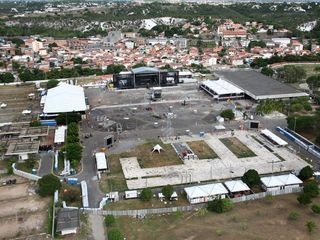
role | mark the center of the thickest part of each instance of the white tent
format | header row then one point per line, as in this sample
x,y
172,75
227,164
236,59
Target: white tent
x,y
65,98
157,148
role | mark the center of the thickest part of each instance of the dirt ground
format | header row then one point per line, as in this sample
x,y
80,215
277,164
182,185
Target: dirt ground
x,y
17,100
261,219
22,213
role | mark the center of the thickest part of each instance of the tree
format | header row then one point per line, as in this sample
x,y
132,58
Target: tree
x,y
315,208
292,74
251,178
146,194
109,220
313,82
255,43
167,191
64,118
74,153
228,114
311,226
17,41
71,194
6,77
267,71
140,64
219,205
305,173
113,69
48,184
304,199
311,188
52,83
115,234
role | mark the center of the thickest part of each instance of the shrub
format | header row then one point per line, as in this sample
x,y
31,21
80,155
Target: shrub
x,y
228,113
304,199
315,208
220,205
48,184
167,191
115,234
52,83
109,220
311,226
251,178
311,188
293,216
306,173
71,194
146,194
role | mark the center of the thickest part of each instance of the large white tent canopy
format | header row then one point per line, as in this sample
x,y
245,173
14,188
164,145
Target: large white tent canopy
x,y
65,98
236,186
206,190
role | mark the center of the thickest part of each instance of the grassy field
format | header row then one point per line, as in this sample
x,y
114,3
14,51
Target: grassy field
x,y
262,219
202,150
310,69
149,159
154,203
237,147
115,179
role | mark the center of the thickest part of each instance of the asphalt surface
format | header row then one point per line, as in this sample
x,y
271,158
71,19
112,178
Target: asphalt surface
x,y
46,163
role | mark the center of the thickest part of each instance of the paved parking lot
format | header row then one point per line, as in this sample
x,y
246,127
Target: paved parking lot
x,y
224,167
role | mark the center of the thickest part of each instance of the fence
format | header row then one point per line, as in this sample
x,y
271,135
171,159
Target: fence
x,y
142,212
24,174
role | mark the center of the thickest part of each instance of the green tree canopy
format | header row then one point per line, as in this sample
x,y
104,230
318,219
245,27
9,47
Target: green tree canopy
x,y
228,114
251,178
255,43
311,188
220,205
6,77
115,234
306,173
146,194
167,191
304,199
267,71
48,184
52,83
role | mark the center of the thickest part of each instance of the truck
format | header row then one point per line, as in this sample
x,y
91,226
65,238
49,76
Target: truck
x,y
131,194
156,93
72,181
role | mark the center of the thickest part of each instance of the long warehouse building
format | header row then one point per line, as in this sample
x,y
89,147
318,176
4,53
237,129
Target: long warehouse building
x,y
258,86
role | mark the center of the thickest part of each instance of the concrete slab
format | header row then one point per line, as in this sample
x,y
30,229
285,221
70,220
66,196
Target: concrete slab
x,y
225,167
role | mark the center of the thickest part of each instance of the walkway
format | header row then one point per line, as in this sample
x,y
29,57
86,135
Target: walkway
x,y
97,227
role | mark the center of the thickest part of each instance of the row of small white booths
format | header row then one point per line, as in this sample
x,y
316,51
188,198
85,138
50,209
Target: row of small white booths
x,y
135,194
208,192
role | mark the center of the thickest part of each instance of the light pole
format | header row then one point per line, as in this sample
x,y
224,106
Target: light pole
x,y
295,123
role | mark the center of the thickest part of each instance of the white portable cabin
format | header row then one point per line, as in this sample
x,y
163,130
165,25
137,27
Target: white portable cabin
x,y
205,193
280,182
131,194
101,162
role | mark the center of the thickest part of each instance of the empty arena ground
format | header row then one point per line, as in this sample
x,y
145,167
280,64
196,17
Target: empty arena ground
x,y
226,165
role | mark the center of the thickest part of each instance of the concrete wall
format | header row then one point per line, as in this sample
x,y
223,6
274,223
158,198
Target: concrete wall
x,y
24,174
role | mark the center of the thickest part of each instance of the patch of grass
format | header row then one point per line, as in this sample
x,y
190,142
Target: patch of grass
x,y
237,147
202,150
139,204
149,159
293,216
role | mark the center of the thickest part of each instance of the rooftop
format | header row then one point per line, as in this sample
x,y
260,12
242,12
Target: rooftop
x,y
259,86
67,218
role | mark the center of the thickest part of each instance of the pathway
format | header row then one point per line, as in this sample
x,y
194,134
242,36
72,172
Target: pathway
x,y
97,227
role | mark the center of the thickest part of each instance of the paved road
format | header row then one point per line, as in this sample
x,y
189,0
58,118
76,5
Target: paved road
x,y
46,163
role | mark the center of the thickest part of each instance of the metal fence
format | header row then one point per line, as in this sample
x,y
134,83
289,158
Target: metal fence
x,y
142,212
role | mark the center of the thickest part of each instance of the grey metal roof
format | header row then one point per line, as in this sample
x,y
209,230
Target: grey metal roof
x,y
145,70
259,86
67,218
